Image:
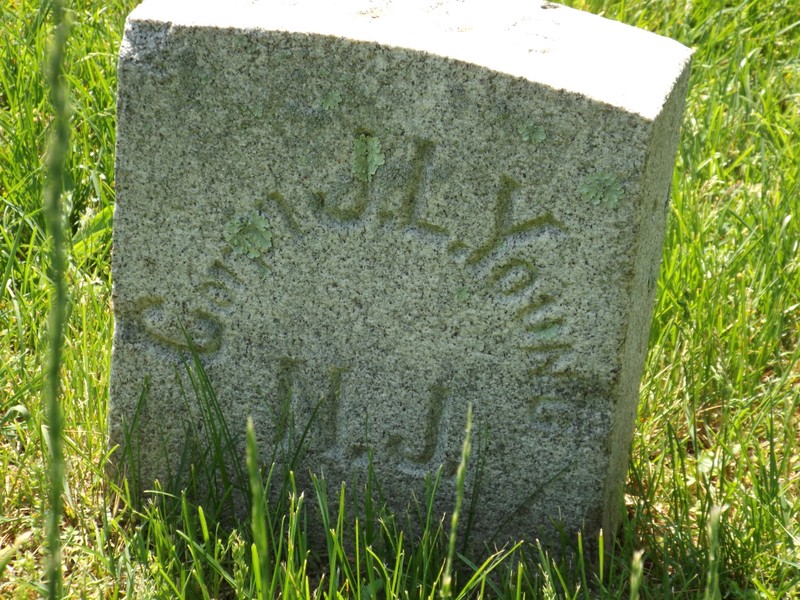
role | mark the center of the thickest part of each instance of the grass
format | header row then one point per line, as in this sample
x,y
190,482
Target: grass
x,y
57,151
712,506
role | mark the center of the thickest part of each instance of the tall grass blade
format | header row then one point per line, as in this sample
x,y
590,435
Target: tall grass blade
x,y
461,474
637,571
56,174
712,590
262,563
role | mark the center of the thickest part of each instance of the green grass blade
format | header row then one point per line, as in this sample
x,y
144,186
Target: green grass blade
x,y
461,475
56,174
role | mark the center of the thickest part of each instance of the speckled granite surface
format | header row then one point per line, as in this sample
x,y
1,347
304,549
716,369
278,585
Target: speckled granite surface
x,y
383,213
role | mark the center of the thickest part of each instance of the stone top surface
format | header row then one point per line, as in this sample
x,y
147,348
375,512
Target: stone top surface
x,y
614,63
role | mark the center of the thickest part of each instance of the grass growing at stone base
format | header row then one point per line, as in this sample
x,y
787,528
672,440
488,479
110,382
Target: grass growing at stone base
x,y
713,494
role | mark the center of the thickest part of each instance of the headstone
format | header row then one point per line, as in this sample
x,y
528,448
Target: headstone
x,y
369,215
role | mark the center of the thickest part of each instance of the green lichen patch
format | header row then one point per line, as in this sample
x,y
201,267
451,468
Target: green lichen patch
x,y
531,132
603,188
249,235
367,157
331,100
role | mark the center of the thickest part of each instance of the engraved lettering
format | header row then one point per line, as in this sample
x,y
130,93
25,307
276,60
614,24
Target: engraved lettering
x,y
285,210
546,328
545,347
339,210
330,405
412,209
167,329
367,158
503,226
534,304
544,360
539,341
456,247
220,290
503,275
539,326
433,429
216,293
284,417
326,412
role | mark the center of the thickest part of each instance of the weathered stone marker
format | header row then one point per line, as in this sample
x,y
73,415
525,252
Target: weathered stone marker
x,y
385,212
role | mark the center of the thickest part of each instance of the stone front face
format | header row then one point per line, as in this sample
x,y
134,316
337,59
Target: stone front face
x,y
379,237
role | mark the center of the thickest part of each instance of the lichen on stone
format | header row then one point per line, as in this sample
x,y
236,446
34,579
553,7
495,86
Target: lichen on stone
x,y
531,132
249,235
331,100
602,187
367,157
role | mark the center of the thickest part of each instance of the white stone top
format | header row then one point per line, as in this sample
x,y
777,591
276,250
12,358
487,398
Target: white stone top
x,y
540,41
